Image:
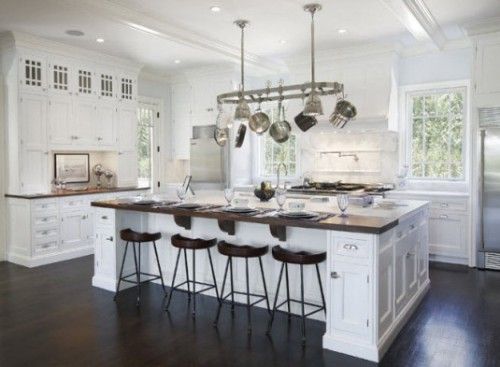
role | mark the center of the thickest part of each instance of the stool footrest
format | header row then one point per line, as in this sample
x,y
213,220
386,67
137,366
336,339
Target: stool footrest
x,y
154,277
208,286
260,296
319,307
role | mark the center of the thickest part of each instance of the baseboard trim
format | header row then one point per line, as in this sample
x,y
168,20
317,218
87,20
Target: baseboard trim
x,y
32,262
448,259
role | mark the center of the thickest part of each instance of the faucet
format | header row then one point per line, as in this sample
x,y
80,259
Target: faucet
x,y
278,170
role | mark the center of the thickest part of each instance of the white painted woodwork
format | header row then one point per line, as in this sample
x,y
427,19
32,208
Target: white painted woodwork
x,y
449,225
60,120
181,120
487,78
359,279
127,132
105,126
44,231
127,168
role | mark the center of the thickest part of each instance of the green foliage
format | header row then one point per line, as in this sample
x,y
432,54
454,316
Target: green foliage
x,y
144,143
437,135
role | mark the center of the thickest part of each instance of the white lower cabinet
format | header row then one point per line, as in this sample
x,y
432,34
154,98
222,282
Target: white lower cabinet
x,y
373,283
449,226
47,230
351,310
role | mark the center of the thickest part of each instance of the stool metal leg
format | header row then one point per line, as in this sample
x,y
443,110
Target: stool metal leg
x,y
159,268
302,304
173,279
287,292
249,314
270,324
138,274
221,300
187,274
232,282
121,272
213,274
321,289
194,283
265,287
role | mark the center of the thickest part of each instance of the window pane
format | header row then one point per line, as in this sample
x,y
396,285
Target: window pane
x,y
437,135
274,154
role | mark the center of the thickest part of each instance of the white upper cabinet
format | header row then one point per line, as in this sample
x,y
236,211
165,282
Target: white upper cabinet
x,y
487,78
33,165
181,120
84,117
107,84
128,88
60,120
85,82
127,128
32,72
205,92
60,76
105,125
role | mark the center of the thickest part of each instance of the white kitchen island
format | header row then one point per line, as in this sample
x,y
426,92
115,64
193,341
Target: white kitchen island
x,y
375,275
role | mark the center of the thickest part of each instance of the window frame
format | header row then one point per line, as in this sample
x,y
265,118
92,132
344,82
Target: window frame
x,y
406,129
261,175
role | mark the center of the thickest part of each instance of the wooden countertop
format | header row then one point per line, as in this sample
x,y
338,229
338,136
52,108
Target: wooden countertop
x,y
352,223
62,193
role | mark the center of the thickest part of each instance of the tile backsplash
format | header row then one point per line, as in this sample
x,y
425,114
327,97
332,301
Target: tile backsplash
x,y
350,156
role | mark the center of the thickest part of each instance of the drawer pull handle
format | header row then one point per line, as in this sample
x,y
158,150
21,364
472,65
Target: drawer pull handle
x,y
351,247
110,238
409,254
45,219
412,226
444,205
334,275
104,217
44,233
443,216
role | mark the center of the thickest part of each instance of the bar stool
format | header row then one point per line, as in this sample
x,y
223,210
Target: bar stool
x,y
244,252
300,258
184,244
138,239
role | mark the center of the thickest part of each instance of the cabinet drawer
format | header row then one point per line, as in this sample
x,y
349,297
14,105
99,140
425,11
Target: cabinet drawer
x,y
105,218
352,249
45,247
74,202
49,205
44,233
42,220
450,204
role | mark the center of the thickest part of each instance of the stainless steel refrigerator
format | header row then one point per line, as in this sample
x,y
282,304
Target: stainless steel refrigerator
x,y
208,160
489,252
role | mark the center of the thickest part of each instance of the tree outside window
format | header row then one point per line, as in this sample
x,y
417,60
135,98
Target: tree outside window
x,y
437,133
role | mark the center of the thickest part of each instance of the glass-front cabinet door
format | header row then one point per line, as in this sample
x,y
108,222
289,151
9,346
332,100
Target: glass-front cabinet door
x,y
32,72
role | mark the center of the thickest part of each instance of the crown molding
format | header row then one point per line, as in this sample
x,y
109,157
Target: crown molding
x,y
428,47
24,40
159,28
418,20
484,26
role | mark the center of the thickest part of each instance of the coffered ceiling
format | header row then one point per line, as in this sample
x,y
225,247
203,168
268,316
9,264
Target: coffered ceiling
x,y
156,33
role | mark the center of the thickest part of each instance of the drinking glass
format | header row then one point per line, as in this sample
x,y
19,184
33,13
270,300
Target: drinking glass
x,y
343,203
181,193
229,195
281,198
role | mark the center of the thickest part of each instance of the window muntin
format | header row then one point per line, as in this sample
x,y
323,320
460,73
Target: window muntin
x,y
273,154
437,120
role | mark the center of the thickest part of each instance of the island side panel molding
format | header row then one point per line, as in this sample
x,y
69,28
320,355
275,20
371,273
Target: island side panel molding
x,y
367,281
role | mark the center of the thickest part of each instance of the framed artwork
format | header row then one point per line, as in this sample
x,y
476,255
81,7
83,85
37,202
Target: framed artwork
x,y
72,167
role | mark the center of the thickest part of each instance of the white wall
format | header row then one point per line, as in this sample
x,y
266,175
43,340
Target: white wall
x,y
437,66
155,87
3,175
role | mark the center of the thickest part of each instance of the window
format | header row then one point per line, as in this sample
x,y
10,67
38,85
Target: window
x,y
273,154
146,117
436,133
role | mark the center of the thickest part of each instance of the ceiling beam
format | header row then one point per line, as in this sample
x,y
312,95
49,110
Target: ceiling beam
x,y
159,28
418,20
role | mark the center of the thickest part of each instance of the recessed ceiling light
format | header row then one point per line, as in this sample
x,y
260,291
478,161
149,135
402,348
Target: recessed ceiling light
x,y
215,9
282,42
99,40
74,32
342,31
177,61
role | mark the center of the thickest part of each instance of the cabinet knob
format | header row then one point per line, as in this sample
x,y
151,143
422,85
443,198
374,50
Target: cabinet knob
x,y
334,275
104,217
110,238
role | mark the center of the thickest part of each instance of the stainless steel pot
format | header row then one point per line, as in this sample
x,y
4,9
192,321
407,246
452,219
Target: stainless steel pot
x,y
240,136
280,130
344,112
305,122
221,136
259,122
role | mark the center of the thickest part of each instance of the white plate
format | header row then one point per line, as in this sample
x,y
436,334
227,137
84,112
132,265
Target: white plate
x,y
188,206
297,214
235,209
144,202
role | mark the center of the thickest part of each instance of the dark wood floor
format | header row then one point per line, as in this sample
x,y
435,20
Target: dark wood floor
x,y
51,316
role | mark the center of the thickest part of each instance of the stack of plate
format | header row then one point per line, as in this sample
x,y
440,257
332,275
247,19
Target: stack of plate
x,y
241,210
303,214
187,206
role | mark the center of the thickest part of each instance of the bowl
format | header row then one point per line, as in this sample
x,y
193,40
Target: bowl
x,y
240,203
264,194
